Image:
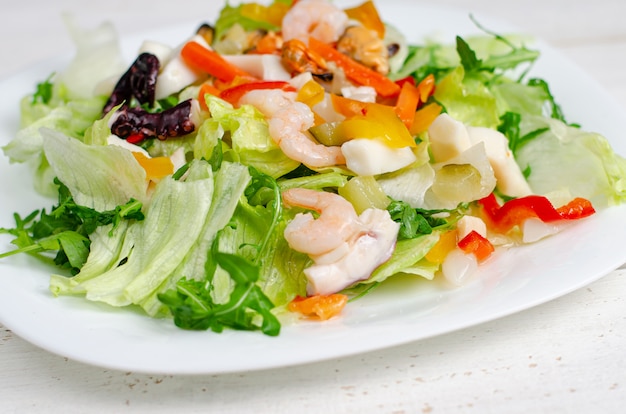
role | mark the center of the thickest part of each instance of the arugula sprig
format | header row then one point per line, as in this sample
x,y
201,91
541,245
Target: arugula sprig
x,y
472,64
510,127
191,302
415,222
65,229
193,307
43,92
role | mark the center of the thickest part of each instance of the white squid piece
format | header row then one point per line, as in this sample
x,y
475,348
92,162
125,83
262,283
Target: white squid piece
x,y
344,246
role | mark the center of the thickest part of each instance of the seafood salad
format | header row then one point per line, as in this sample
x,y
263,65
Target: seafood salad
x,y
286,159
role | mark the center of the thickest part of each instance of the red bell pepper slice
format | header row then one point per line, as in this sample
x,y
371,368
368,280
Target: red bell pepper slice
x,y
577,208
476,244
514,212
233,94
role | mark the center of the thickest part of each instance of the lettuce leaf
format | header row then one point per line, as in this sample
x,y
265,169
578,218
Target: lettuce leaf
x,y
566,158
408,258
245,130
468,99
99,177
98,57
281,277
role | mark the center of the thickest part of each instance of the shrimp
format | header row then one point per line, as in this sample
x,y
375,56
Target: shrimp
x,y
344,246
336,224
317,18
288,122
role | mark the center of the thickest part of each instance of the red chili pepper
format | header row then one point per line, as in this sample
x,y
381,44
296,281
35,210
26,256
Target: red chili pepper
x,y
515,211
476,244
235,93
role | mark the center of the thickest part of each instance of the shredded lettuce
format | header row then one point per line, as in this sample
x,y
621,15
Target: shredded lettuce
x,y
408,258
98,57
566,158
245,130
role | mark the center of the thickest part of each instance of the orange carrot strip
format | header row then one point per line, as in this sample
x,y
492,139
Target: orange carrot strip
x,y
206,89
320,306
209,61
407,103
234,94
354,70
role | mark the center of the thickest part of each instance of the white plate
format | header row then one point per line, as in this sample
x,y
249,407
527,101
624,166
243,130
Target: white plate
x,y
400,311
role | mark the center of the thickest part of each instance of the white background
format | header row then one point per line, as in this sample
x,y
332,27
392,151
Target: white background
x,y
564,356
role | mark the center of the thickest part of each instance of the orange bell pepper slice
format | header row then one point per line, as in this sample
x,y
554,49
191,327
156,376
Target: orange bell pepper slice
x,y
368,15
426,88
424,117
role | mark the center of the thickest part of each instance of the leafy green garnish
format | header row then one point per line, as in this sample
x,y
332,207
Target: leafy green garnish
x,y
43,93
468,57
194,308
415,222
263,190
65,229
194,302
555,109
510,127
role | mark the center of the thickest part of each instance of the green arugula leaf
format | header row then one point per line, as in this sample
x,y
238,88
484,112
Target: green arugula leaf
x,y
468,57
415,222
510,127
555,109
193,307
264,190
43,93
65,229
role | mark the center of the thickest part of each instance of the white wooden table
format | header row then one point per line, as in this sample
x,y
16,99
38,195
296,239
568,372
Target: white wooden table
x,y
562,357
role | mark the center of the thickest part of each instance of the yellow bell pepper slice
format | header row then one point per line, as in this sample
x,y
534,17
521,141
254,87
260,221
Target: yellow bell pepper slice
x,y
445,244
272,14
379,122
311,93
157,167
